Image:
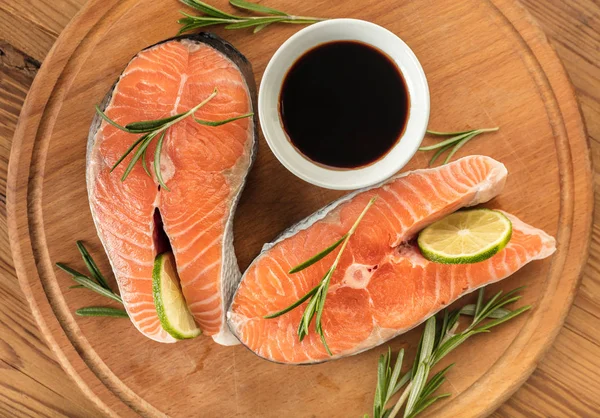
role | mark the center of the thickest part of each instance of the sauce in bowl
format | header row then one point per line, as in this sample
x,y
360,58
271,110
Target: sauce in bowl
x,y
344,104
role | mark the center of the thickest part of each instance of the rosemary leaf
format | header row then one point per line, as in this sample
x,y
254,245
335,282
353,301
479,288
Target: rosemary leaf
x,y
450,141
382,381
394,411
479,304
322,335
146,126
320,306
195,22
145,163
140,151
317,257
128,151
109,120
249,23
470,311
417,357
187,19
443,328
91,285
241,4
293,305
503,319
448,133
69,270
224,121
387,380
424,364
450,345
488,307
258,28
450,327
428,340
506,301
479,131
102,311
512,292
76,286
308,315
91,265
458,146
439,152
427,403
435,382
405,379
453,322
187,28
456,141
301,21
395,374
418,383
157,153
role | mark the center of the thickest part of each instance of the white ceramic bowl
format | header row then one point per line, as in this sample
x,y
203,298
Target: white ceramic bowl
x,y
335,30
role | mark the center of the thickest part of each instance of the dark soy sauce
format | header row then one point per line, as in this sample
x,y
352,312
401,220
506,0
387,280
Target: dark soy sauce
x,y
344,104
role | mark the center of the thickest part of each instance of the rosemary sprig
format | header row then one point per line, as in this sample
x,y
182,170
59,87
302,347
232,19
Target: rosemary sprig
x,y
157,128
213,16
318,294
94,282
454,143
439,338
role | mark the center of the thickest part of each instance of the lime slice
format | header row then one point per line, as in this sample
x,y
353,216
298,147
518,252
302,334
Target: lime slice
x,y
465,237
172,310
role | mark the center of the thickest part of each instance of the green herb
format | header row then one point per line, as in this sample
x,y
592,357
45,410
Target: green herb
x,y
90,285
150,130
213,16
318,294
94,282
387,380
457,140
102,311
318,257
439,338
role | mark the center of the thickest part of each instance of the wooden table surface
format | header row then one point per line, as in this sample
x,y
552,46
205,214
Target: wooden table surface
x,y
567,381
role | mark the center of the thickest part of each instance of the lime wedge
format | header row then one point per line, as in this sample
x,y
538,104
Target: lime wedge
x,y
172,310
465,237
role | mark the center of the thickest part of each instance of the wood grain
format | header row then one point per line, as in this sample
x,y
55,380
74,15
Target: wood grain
x,y
32,382
559,393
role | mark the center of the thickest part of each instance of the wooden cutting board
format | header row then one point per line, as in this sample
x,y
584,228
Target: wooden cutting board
x,y
487,63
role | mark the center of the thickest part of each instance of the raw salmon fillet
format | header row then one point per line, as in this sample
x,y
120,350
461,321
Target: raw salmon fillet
x,y
204,168
383,286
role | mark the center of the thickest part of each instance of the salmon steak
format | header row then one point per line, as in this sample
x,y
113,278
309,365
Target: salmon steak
x,y
382,286
204,168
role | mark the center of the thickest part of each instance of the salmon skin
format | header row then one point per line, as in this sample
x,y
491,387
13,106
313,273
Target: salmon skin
x,y
383,286
204,167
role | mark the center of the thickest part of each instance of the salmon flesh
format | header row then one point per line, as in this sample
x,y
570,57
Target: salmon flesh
x,y
383,286
204,167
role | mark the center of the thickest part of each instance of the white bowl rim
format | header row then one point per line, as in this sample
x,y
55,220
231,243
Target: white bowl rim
x,y
406,146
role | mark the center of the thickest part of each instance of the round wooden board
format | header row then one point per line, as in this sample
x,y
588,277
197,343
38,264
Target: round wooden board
x,y
488,64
